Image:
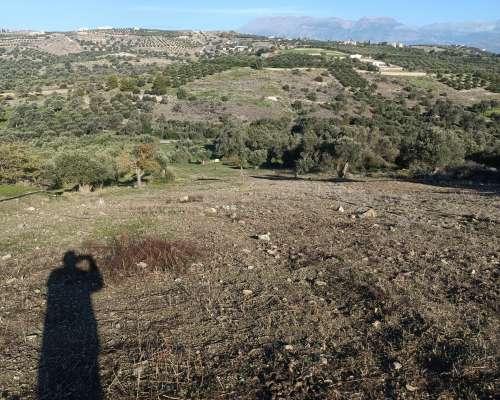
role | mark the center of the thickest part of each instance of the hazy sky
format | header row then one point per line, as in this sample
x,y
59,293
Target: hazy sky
x,y
225,14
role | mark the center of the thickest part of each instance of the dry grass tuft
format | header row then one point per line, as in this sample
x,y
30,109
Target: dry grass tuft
x,y
129,257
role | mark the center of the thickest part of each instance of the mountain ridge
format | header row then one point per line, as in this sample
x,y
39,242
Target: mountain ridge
x,y
481,34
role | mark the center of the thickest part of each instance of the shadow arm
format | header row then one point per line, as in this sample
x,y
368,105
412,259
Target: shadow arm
x,y
94,271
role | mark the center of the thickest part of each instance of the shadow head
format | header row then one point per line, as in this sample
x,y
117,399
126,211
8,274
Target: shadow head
x,y
70,259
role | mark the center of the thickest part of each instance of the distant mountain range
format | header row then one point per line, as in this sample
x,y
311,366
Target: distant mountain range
x,y
480,34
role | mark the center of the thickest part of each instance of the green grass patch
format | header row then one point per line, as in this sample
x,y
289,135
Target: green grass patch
x,y
8,113
192,172
423,82
315,51
15,190
236,74
107,230
492,111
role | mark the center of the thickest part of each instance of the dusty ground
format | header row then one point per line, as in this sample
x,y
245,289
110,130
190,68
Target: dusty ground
x,y
403,304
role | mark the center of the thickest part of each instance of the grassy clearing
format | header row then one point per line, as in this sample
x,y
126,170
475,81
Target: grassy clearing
x,y
316,51
7,191
241,85
424,82
236,74
197,172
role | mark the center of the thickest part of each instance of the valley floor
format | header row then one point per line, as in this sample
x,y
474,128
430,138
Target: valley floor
x,y
399,303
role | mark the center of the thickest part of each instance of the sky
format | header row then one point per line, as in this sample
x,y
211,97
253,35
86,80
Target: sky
x,y
52,15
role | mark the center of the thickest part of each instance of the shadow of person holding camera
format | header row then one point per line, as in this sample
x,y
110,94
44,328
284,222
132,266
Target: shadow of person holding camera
x,y
69,366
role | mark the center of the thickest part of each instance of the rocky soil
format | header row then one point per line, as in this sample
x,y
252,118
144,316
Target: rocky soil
x,y
304,289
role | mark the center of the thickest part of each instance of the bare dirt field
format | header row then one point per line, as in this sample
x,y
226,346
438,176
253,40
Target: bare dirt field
x,y
362,289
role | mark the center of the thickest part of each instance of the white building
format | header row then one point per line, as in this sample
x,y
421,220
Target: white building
x,y
356,56
397,45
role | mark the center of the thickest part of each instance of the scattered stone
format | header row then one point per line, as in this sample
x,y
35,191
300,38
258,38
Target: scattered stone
x,y
340,209
323,360
411,388
397,365
265,237
320,283
31,337
273,252
6,257
363,213
231,207
195,198
246,251
247,292
250,267
289,347
142,264
377,324
212,211
30,209
11,280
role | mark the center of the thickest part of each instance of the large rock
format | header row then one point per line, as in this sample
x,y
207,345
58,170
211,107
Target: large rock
x,y
364,213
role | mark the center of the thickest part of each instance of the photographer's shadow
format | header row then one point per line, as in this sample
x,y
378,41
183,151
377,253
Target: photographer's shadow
x,y
69,366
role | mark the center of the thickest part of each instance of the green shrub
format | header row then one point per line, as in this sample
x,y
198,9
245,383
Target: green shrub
x,y
437,148
18,163
164,176
182,94
74,168
257,157
312,96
